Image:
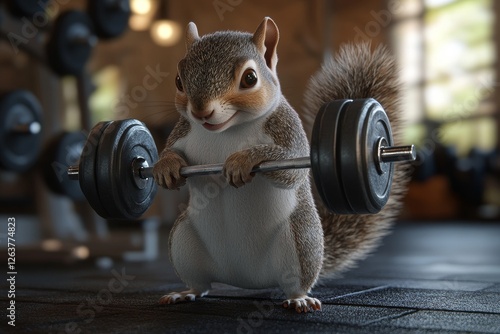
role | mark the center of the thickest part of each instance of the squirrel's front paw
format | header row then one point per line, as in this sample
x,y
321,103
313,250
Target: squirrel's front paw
x,y
166,171
238,169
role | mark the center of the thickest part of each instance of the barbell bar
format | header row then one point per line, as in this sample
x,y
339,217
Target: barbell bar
x,y
141,168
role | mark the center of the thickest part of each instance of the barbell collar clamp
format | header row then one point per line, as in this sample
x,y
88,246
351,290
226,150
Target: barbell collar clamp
x,y
139,164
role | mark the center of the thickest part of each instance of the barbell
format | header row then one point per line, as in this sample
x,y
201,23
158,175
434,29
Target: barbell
x,y
352,156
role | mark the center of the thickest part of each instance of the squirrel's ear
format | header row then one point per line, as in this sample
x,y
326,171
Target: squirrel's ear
x,y
191,35
266,39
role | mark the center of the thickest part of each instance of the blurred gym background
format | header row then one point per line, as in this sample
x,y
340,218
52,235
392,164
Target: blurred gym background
x,y
69,64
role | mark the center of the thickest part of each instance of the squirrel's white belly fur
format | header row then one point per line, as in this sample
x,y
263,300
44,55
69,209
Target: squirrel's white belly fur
x,y
239,236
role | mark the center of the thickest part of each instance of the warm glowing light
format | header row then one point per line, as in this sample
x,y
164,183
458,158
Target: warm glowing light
x,y
80,252
165,32
140,7
139,22
51,245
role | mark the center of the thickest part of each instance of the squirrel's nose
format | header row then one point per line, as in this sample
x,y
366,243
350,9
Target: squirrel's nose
x,y
202,114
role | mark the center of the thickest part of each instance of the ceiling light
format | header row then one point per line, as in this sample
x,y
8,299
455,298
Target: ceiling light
x,y
140,7
165,32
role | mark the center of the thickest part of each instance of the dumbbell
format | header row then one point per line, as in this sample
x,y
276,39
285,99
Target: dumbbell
x,y
20,130
110,17
71,43
352,157
71,39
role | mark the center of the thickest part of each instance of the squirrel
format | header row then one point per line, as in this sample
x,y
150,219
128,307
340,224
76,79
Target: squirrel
x,y
270,229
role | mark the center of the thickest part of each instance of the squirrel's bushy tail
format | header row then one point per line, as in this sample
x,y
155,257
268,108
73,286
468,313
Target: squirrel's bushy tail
x,y
357,72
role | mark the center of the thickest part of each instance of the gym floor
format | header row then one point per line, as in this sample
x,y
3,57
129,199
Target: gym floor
x,y
426,278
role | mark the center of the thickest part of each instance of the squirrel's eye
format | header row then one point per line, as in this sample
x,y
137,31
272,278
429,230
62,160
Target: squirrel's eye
x,y
178,83
248,79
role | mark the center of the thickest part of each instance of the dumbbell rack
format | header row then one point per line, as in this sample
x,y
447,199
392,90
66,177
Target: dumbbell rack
x,y
60,218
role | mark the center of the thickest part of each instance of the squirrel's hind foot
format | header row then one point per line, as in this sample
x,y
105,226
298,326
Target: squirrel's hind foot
x,y
184,296
303,304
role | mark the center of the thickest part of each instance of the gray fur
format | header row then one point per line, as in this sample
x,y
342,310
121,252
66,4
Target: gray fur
x,y
284,126
180,130
209,65
308,238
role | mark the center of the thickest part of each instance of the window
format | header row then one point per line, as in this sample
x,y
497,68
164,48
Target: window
x,y
101,102
447,57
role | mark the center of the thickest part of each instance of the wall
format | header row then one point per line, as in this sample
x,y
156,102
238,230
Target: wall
x,y
302,43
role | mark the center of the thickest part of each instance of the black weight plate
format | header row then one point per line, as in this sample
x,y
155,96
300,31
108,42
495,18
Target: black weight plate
x,y
27,8
88,168
324,156
110,17
122,142
19,151
65,55
62,152
363,123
